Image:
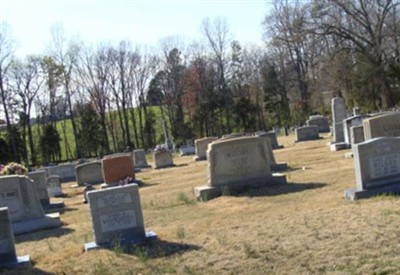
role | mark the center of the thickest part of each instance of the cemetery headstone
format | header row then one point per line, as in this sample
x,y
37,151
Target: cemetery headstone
x,y
116,216
357,134
356,111
232,135
276,130
385,125
66,172
40,182
377,168
54,186
8,255
201,147
306,133
350,122
187,150
237,163
139,158
26,213
89,173
338,115
163,158
270,154
118,167
320,121
273,140
88,187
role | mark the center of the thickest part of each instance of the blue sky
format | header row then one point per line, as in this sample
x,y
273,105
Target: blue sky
x,y
141,22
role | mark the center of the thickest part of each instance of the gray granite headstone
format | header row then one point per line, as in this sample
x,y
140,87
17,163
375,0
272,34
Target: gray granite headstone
x,y
273,140
116,215
320,121
89,173
201,147
66,172
350,122
356,134
306,133
235,164
338,115
187,150
8,255
39,179
377,167
163,159
54,186
139,158
26,212
385,125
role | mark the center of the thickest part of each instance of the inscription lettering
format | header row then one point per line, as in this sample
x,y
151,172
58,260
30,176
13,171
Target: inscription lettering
x,y
384,166
118,221
112,200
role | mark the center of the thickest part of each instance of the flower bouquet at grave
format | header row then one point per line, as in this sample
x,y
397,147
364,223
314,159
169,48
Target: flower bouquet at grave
x,y
125,181
13,168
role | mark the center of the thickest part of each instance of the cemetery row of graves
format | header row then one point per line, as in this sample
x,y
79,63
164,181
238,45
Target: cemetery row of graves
x,y
235,164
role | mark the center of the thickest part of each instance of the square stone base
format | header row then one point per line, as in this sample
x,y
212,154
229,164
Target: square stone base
x,y
150,235
21,261
281,166
206,192
339,146
354,194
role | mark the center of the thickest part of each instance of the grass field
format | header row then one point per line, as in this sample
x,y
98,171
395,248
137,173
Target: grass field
x,y
304,227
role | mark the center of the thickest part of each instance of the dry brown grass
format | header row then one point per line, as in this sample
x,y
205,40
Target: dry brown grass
x,y
301,228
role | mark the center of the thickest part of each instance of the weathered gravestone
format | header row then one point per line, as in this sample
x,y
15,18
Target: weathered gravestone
x,y
40,182
117,167
338,115
163,158
351,122
19,195
306,133
201,147
276,130
265,137
89,173
235,164
139,158
356,134
117,218
377,168
385,125
273,140
8,255
39,179
232,135
187,150
320,121
54,186
66,172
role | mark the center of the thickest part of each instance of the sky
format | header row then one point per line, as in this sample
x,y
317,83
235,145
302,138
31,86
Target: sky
x,y
142,22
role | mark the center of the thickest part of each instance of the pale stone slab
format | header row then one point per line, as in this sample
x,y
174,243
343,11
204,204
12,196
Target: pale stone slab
x,y
26,213
320,121
273,140
377,167
8,255
139,158
116,215
351,122
54,186
265,137
117,167
306,133
357,134
187,150
90,173
66,172
338,110
201,147
163,158
39,179
338,133
385,125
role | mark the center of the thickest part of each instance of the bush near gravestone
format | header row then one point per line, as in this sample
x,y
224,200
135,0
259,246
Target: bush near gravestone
x,y
13,168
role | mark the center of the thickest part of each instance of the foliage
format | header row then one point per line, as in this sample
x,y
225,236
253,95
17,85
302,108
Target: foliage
x,y
50,143
13,168
90,136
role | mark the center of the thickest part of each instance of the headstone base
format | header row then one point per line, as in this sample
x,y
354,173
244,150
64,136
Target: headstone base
x,y
206,193
53,207
21,261
278,147
27,226
339,146
354,194
165,166
150,235
281,166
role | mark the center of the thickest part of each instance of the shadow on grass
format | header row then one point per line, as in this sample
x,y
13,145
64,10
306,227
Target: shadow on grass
x,y
275,190
25,270
43,234
157,248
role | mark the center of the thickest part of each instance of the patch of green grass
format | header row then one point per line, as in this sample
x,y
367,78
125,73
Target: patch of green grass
x,y
184,199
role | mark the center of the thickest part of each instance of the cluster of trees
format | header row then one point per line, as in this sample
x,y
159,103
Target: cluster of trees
x,y
118,96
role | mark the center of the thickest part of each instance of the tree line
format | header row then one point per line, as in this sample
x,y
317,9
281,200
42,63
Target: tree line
x,y
118,96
